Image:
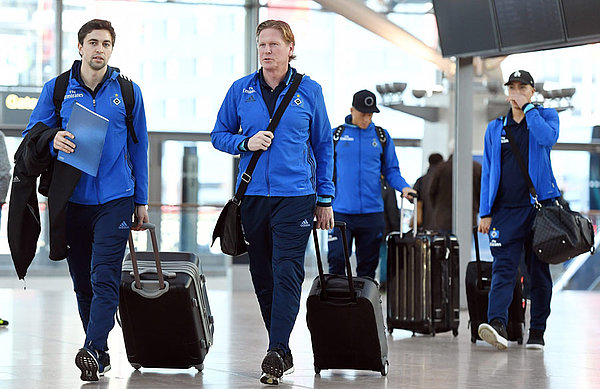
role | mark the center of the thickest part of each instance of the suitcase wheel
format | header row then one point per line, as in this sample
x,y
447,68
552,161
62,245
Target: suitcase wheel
x,y
384,368
199,367
455,332
473,339
520,341
136,366
317,370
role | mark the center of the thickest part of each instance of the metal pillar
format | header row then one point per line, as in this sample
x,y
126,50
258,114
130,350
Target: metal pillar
x,y
251,56
155,146
189,200
462,182
58,40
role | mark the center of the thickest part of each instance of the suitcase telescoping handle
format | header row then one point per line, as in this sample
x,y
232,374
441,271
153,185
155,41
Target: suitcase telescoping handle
x,y
411,197
342,227
478,259
136,272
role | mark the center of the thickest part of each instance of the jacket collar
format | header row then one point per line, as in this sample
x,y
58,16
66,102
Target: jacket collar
x,y
348,123
111,73
286,80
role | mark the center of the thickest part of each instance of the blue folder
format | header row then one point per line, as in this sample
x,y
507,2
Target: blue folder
x,y
89,129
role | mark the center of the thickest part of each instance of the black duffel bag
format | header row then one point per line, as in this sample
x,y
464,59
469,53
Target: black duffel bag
x,y
229,230
560,234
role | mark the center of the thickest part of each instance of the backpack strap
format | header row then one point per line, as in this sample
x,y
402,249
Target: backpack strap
x,y
60,90
337,134
129,99
383,141
381,135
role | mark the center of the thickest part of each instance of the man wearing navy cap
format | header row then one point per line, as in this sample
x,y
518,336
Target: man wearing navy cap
x,y
506,206
363,153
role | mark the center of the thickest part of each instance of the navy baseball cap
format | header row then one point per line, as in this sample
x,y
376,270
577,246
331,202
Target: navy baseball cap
x,y
522,76
365,101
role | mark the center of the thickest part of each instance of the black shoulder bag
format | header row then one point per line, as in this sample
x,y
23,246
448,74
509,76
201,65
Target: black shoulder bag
x,y
229,225
558,234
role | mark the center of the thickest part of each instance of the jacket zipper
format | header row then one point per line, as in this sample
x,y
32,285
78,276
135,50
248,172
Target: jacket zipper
x,y
279,98
96,181
359,165
265,110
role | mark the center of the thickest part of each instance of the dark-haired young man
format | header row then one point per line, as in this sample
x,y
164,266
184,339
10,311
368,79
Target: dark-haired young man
x,y
99,211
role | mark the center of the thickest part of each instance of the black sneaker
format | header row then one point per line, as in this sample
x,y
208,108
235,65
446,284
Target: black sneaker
x,y
275,365
104,360
536,339
494,333
288,363
90,364
3,323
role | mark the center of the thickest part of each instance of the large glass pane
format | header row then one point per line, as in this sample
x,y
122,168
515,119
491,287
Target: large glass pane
x,y
345,58
215,170
27,41
183,55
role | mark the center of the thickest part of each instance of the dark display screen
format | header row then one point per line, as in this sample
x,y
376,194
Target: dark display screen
x,y
500,27
581,18
530,22
465,26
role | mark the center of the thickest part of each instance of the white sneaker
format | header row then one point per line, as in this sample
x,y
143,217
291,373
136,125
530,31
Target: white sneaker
x,y
494,334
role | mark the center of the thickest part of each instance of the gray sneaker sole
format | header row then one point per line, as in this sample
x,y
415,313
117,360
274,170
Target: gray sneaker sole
x,y
106,370
489,334
88,365
534,346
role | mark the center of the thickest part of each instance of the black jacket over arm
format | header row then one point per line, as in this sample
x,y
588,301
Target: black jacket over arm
x,y
57,181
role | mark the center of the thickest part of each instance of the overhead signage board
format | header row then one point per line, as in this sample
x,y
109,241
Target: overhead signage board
x,y
17,106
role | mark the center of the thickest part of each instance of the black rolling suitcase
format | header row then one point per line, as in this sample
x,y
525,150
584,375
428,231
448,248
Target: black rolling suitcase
x,y
164,308
422,281
478,280
345,319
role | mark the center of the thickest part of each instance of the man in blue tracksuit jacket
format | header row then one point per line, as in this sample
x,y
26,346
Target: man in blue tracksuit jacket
x,y
506,207
290,185
361,157
100,209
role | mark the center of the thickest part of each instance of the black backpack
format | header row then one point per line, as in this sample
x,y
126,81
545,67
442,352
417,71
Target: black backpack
x,y
337,134
60,89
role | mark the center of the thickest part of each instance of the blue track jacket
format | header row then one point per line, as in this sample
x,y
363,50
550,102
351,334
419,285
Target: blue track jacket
x,y
543,134
123,170
358,169
299,161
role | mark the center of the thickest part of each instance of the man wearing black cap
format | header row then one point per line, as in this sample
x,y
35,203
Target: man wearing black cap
x,y
362,154
506,206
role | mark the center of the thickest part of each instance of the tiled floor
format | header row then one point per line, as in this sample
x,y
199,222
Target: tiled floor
x,y
38,347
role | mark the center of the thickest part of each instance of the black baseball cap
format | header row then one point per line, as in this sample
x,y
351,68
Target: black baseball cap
x,y
365,101
522,76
